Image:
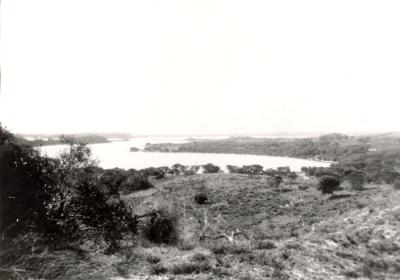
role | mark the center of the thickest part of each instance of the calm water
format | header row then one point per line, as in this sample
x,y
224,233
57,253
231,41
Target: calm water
x,y
117,154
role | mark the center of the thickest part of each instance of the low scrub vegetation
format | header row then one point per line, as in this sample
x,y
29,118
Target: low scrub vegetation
x,y
62,218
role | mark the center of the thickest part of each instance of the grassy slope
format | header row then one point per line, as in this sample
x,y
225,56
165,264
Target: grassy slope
x,y
294,234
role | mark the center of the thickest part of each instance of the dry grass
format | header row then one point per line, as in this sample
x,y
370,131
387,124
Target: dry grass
x,y
25,258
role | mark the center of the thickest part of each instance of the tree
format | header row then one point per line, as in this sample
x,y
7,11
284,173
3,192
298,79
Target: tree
x,y
329,184
211,168
283,169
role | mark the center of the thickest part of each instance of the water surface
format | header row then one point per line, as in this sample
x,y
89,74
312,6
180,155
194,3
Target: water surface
x,y
117,154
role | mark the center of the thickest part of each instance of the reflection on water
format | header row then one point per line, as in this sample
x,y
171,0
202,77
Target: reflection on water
x,y
117,154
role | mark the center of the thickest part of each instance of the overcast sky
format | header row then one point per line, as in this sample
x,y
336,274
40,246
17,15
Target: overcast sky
x,y
202,67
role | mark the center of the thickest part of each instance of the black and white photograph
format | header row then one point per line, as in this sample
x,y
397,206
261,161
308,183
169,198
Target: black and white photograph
x,y
199,140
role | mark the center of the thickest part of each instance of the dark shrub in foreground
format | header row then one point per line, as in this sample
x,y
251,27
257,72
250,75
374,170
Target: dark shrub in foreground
x,y
211,168
79,209
111,180
329,184
201,198
60,198
25,178
162,228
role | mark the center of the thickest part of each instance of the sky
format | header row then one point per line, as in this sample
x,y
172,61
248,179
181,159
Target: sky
x,y
200,67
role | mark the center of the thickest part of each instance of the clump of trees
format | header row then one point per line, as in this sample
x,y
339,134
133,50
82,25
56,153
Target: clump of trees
x,y
116,180
329,184
251,170
256,169
62,199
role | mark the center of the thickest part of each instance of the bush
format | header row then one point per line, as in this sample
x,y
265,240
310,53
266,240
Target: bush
x,y
233,169
396,185
179,169
329,184
211,168
278,181
283,170
25,179
79,209
158,269
157,172
135,182
201,198
265,244
162,228
59,198
111,180
251,170
153,259
192,170
356,179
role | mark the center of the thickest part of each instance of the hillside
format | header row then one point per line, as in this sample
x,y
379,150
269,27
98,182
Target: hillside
x,y
293,232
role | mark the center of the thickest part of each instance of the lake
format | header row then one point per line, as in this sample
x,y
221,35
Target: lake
x,y
117,154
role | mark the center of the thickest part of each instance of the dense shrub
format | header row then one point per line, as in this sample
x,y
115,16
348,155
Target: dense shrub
x,y
211,168
162,228
157,172
396,185
278,180
329,184
271,172
118,180
283,169
356,179
233,169
179,169
135,182
60,199
79,209
201,198
111,180
158,269
25,179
